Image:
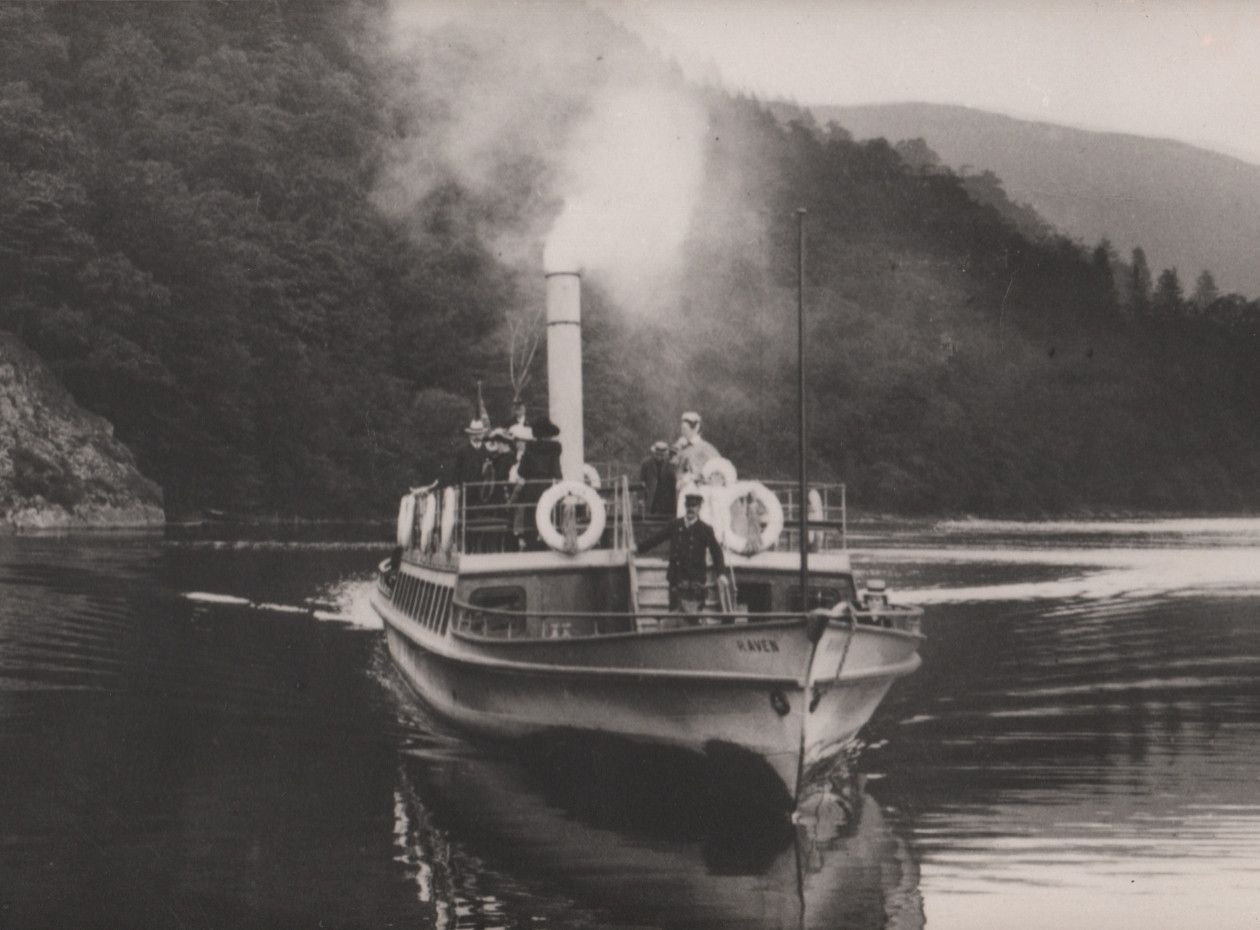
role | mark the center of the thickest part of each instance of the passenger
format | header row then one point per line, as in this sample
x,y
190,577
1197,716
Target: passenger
x,y
468,466
538,467
496,492
657,475
695,451
502,459
519,428
689,539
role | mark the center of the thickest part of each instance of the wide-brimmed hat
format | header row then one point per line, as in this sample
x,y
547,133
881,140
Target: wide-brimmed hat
x,y
475,428
545,429
660,446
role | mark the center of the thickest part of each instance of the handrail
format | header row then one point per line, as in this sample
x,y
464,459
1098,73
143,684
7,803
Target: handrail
x,y
890,609
494,503
610,614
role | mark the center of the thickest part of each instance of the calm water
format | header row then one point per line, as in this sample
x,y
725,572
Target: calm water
x,y
199,733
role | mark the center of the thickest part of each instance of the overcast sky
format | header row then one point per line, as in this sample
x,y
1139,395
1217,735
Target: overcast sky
x,y
1183,69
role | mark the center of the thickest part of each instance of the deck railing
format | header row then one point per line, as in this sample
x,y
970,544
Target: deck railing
x,y
513,624
500,516
496,623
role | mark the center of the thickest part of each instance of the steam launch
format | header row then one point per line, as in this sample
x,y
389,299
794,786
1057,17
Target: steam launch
x,y
534,612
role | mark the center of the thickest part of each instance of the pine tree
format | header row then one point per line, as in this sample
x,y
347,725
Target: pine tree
x,y
1139,284
1168,300
1104,279
1205,292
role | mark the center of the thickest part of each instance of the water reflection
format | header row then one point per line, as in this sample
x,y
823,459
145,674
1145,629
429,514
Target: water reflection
x,y
184,741
1079,746
563,834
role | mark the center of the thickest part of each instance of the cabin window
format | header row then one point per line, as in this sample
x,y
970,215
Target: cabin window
x,y
422,598
823,596
444,615
756,596
413,596
508,602
426,602
512,599
437,606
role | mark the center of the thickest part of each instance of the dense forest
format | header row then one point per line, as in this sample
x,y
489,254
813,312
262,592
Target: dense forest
x,y
236,231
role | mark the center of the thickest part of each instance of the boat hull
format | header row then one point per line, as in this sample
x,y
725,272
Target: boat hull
x,y
745,696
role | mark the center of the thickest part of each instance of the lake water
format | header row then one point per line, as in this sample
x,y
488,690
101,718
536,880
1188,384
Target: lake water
x,y
208,733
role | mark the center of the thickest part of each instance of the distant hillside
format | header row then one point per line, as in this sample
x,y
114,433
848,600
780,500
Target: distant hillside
x,y
61,466
1186,207
281,263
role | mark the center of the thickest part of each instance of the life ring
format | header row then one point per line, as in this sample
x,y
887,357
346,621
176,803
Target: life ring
x,y
815,512
737,542
590,474
406,520
450,504
719,466
551,534
428,516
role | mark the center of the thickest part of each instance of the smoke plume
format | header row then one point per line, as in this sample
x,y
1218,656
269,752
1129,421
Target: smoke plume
x,y
585,151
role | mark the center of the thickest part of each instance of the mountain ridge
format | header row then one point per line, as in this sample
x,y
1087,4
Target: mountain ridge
x,y
1187,207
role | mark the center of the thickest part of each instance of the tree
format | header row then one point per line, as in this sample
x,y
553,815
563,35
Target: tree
x,y
1104,279
918,156
1168,300
1139,284
1205,292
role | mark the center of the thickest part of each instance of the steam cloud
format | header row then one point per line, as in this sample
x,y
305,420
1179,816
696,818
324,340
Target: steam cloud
x,y
556,92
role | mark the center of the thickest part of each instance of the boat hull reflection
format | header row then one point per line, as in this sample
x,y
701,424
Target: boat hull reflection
x,y
635,837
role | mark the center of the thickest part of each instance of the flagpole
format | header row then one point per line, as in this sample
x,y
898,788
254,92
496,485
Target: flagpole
x,y
803,491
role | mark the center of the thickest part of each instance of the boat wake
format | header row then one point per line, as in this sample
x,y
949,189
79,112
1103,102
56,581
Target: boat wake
x,y
343,602
1094,574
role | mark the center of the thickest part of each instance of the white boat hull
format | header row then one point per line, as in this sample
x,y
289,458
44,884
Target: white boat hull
x,y
760,694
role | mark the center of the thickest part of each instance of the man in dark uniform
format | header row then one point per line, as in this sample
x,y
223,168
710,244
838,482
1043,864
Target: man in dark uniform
x,y
689,539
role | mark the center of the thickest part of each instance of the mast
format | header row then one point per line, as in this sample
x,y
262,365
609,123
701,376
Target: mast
x,y
803,491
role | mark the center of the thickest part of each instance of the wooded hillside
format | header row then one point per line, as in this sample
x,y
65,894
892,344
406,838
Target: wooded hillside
x,y
196,232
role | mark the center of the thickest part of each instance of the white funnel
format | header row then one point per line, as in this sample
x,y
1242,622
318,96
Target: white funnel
x,y
564,367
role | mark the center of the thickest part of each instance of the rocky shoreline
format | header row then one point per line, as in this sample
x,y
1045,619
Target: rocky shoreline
x,y
61,467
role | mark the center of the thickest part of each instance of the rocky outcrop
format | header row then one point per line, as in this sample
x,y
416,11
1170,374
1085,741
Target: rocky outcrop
x,y
60,466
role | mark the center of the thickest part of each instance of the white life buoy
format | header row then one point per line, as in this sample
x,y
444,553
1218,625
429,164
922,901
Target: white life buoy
x,y
763,496
814,512
406,520
551,534
719,468
450,505
590,474
428,517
